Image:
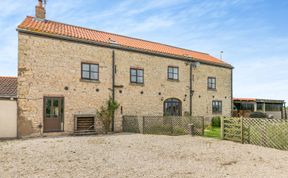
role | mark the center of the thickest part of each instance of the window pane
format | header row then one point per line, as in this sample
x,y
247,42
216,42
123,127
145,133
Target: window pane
x,y
94,68
140,79
170,69
175,76
85,75
175,70
48,108
94,76
56,107
170,75
85,67
62,108
133,72
133,79
140,73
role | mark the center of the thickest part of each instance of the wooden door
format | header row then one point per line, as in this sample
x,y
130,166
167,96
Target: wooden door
x,y
53,114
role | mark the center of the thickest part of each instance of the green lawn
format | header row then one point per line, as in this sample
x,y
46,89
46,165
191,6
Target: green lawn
x,y
213,132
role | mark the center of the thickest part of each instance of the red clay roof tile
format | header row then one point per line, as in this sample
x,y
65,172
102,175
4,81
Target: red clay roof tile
x,y
8,86
244,99
56,28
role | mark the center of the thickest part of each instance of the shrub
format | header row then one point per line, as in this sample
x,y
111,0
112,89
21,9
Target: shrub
x,y
258,115
106,113
178,131
216,121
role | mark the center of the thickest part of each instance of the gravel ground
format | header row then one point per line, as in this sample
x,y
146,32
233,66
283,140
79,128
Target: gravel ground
x,y
136,155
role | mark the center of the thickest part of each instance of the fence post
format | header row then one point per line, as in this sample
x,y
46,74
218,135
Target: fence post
x,y
222,128
242,130
143,125
172,125
203,125
191,129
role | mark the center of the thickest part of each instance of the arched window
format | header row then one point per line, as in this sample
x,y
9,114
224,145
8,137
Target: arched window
x,y
172,107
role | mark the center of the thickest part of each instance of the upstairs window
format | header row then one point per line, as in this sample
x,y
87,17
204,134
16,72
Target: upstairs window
x,y
136,75
216,107
173,73
211,83
89,71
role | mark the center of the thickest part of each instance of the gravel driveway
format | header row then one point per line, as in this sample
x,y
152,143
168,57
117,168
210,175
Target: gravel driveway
x,y
136,155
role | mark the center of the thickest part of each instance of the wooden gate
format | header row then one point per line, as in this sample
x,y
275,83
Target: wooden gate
x,y
232,129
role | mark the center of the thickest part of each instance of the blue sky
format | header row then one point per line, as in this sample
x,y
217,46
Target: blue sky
x,y
252,34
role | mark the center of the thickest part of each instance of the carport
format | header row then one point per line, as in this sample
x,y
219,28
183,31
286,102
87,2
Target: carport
x,y
8,107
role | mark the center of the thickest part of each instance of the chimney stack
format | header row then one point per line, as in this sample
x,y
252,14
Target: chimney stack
x,y
40,10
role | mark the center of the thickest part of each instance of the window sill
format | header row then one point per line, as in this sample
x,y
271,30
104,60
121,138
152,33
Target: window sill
x,y
56,131
89,81
209,89
217,113
137,84
173,80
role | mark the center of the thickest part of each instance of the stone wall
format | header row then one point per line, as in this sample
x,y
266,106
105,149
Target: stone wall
x,y
202,97
47,66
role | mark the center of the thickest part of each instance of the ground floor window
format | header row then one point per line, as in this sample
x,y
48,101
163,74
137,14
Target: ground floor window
x,y
216,107
172,107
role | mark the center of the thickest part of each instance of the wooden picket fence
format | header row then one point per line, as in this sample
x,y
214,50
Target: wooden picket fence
x,y
257,131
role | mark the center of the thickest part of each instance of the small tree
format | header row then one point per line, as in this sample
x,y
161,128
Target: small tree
x,y
106,113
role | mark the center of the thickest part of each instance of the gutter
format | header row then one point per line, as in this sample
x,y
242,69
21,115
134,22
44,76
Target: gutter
x,y
113,87
190,89
116,46
12,98
285,110
232,102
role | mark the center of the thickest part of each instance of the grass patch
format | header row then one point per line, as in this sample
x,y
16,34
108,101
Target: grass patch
x,y
213,132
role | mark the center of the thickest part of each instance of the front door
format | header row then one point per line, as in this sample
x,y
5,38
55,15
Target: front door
x,y
53,114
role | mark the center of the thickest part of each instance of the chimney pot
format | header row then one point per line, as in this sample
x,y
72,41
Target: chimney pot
x,y
40,10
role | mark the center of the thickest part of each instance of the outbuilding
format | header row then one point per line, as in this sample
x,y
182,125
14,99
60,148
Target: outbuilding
x,y
245,106
8,107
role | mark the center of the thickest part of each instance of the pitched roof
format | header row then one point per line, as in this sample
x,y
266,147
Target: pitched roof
x,y
47,27
8,87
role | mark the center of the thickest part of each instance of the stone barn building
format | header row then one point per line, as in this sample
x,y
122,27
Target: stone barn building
x,y
66,73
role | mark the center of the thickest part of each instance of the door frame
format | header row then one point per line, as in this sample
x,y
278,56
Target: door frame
x,y
44,113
